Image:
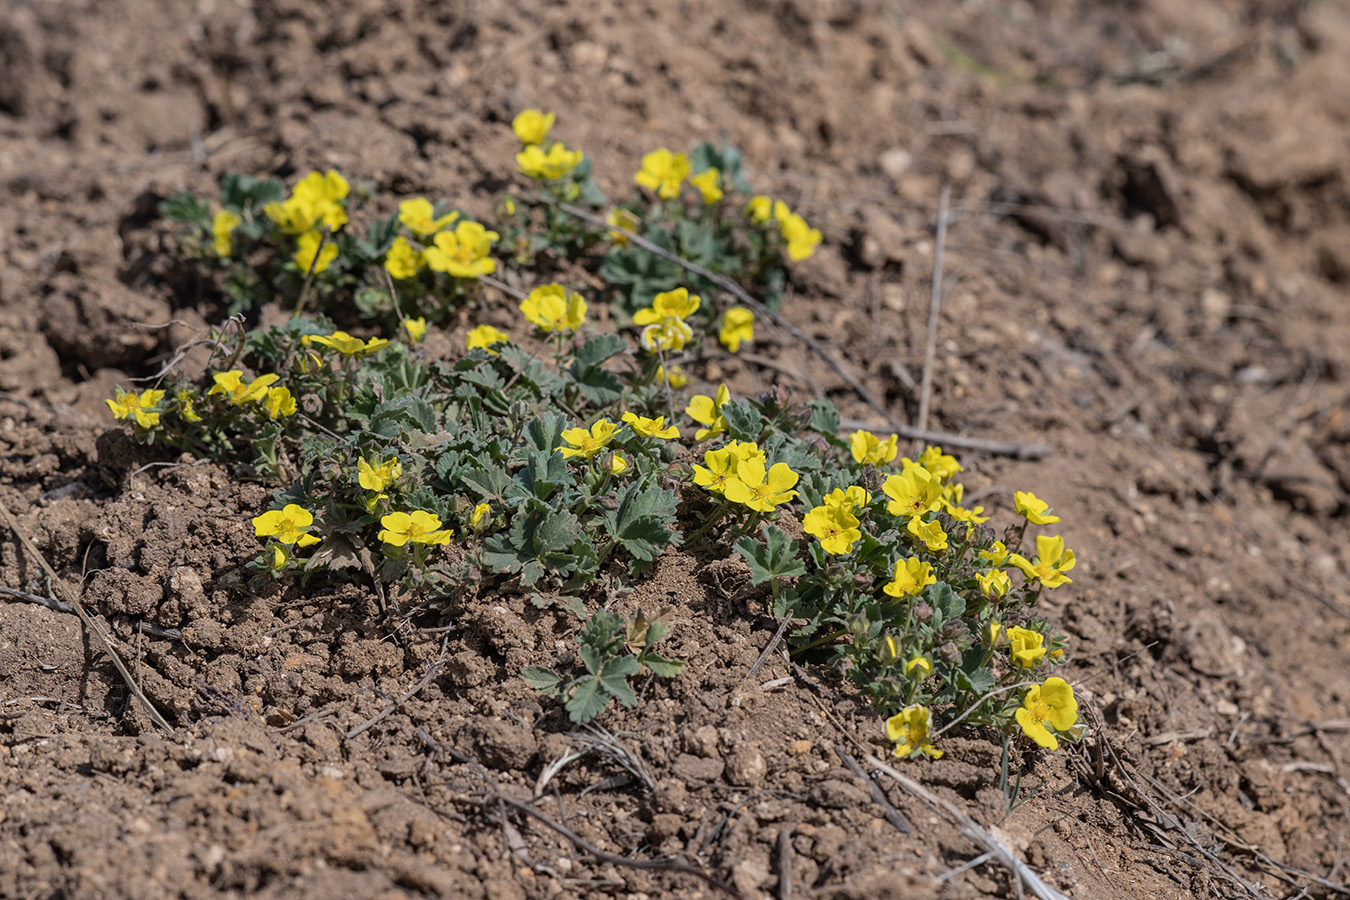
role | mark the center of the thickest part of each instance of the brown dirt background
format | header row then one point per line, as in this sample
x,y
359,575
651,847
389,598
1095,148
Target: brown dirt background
x,y
1151,225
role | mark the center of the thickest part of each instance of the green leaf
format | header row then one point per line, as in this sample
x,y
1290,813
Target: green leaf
x,y
947,602
666,668
544,434
537,544
243,192
392,417
489,483
187,208
744,423
597,350
544,473
588,699
776,557
599,387
614,678
603,631
542,679
825,421
641,524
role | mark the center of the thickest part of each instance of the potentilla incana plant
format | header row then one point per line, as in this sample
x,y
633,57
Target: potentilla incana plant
x,y
561,456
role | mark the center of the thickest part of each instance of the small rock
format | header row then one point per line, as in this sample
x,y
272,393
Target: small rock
x,y
895,162
836,794
697,769
702,741
800,748
749,875
664,826
503,746
746,767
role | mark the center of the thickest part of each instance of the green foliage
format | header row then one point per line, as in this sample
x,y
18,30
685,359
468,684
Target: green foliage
x,y
539,463
612,651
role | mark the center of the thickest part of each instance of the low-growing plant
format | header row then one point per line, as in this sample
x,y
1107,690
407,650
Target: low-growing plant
x,y
548,461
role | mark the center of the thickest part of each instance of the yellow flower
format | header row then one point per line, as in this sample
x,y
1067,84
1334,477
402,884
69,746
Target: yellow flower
x,y
931,533
186,399
676,377
870,450
419,216
588,443
484,337
553,309
668,334
942,466
278,557
890,650
655,428
463,252
622,218
919,668
287,525
1033,509
478,521
222,226
909,730
960,513
853,498
418,527
911,577
996,555
663,172
676,304
995,630
531,126
279,402
801,238
913,492
317,199
760,490
721,468
707,411
738,324
760,209
1052,561
556,163
415,329
308,245
403,260
345,344
994,585
835,527
744,450
617,464
1027,646
706,182
126,405
378,477
1051,702
232,385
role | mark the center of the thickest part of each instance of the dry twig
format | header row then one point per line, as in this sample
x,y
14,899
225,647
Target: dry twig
x,y
87,620
495,793
934,309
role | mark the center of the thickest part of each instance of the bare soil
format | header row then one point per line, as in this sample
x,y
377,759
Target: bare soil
x,y
1149,246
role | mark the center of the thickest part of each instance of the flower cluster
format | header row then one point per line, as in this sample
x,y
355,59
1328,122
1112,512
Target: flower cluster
x,y
665,326
540,158
441,243
317,204
800,239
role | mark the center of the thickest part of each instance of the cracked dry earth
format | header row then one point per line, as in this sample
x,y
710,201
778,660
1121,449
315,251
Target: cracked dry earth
x,y
1150,244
